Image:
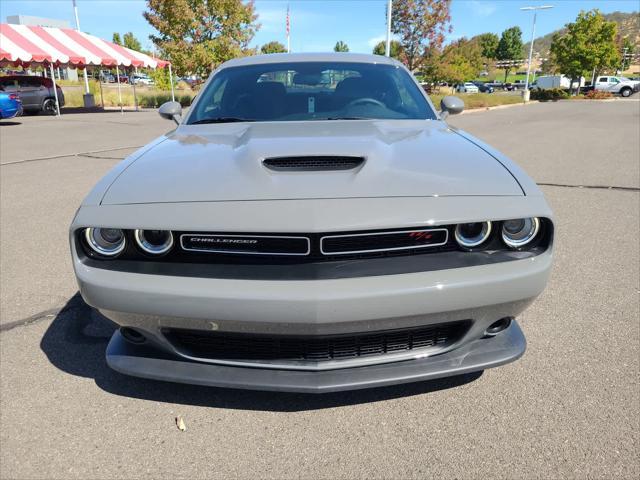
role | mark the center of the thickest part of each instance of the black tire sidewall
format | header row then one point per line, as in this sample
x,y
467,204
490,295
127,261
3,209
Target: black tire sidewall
x,y
49,110
625,92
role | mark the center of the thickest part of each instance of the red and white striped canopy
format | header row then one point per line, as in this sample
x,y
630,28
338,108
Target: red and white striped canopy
x,y
25,45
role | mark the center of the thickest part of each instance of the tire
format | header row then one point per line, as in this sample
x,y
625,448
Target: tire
x,y
49,106
625,92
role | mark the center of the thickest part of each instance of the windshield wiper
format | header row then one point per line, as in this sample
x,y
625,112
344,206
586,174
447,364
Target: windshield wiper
x,y
347,118
222,120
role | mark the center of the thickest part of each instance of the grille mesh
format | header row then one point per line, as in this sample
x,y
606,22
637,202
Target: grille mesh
x,y
251,347
313,163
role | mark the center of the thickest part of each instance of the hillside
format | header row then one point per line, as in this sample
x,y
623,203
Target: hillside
x,y
628,25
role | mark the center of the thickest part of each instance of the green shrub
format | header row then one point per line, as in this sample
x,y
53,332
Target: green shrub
x,y
147,101
185,100
551,94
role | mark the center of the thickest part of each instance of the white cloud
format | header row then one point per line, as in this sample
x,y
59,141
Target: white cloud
x,y
372,42
482,9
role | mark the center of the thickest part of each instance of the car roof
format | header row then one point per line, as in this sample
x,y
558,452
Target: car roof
x,y
310,57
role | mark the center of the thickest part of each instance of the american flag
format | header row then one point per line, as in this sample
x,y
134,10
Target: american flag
x,y
287,20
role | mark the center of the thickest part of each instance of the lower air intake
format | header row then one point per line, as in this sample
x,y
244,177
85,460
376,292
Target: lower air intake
x,y
315,348
312,164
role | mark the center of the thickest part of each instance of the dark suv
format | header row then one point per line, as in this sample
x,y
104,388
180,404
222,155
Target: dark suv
x,y
36,93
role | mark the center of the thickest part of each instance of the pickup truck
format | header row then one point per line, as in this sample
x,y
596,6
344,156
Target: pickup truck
x,y
615,84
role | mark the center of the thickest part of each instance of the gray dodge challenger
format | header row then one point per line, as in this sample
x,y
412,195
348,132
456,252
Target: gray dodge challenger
x,y
312,224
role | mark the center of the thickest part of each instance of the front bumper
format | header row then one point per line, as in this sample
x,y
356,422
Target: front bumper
x,y
480,354
152,303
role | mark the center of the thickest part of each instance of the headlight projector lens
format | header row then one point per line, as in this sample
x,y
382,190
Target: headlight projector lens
x,y
108,242
519,232
154,242
470,235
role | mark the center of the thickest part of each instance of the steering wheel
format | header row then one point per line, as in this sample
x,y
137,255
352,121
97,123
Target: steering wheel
x,y
365,100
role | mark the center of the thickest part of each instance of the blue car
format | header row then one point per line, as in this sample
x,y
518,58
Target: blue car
x,y
10,105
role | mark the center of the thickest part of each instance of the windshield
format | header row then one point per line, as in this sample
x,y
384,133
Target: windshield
x,y
310,91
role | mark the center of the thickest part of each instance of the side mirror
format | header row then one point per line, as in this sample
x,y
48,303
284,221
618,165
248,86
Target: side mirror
x,y
171,111
450,105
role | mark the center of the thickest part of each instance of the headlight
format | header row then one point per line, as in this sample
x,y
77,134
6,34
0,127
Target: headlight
x,y
517,233
472,234
105,241
155,242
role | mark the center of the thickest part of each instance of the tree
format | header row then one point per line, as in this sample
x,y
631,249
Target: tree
x,y
460,61
488,43
395,47
341,47
273,47
198,35
509,48
421,26
588,45
130,41
116,38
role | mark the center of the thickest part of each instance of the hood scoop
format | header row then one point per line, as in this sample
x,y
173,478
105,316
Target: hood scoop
x,y
312,163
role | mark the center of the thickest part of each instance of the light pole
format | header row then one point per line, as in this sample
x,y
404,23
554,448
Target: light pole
x,y
88,97
533,34
387,50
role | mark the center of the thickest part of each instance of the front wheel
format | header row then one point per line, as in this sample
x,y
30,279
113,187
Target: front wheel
x,y
625,92
49,106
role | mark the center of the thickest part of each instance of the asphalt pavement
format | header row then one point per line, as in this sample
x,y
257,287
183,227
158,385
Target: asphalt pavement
x,y
570,408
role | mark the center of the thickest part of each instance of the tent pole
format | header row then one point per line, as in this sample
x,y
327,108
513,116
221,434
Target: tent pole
x,y
132,81
119,91
55,90
100,83
173,97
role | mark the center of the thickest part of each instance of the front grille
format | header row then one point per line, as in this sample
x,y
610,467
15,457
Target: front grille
x,y
322,348
245,244
312,163
383,241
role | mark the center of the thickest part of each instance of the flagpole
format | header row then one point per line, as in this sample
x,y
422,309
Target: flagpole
x,y
288,32
387,50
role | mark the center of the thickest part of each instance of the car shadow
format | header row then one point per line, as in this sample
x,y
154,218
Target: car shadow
x,y
9,124
76,340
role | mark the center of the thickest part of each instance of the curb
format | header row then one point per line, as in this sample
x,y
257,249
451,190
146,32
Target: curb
x,y
499,107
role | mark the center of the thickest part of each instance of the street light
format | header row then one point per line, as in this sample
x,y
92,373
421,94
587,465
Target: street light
x,y
533,33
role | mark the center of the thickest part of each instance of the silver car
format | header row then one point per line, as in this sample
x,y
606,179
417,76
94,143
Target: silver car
x,y
312,224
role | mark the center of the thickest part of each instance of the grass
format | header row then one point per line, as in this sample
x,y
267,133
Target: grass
x,y
480,100
73,92
152,98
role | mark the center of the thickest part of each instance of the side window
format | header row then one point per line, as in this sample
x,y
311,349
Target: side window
x,y
603,79
9,84
614,80
214,99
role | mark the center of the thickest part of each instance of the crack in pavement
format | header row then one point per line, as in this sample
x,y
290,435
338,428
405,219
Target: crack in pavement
x,y
40,316
78,154
599,187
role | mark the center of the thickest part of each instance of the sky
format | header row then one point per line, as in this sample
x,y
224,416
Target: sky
x,y
318,25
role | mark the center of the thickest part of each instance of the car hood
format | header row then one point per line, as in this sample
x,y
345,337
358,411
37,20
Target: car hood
x,y
223,162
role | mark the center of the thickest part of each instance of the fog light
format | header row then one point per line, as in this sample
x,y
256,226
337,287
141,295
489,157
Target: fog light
x,y
132,335
497,327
